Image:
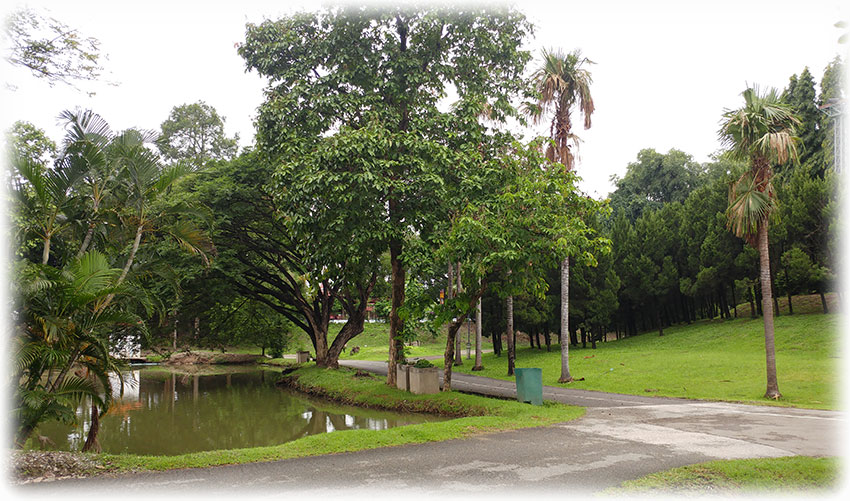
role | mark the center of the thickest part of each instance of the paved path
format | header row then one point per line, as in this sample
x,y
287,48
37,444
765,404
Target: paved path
x,y
620,438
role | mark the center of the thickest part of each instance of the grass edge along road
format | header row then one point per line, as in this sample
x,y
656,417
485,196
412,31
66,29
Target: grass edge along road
x,y
476,415
800,474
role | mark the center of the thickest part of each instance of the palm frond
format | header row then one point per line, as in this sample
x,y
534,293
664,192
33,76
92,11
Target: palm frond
x,y
749,206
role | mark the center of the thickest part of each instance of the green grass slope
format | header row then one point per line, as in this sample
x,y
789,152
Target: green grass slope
x,y
711,360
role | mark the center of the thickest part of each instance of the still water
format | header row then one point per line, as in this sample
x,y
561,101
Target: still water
x,y
166,413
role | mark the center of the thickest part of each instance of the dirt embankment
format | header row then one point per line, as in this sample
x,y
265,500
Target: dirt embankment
x,y
211,358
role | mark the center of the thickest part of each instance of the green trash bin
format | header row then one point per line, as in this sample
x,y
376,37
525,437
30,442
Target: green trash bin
x,y
529,385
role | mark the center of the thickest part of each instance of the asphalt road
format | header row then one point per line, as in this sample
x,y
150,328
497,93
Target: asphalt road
x,y
620,438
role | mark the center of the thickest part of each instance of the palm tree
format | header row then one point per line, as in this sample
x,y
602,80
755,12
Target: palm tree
x,y
46,195
62,346
563,82
86,145
762,132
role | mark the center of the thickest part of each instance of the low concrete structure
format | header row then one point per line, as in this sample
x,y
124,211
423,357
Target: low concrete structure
x,y
402,377
424,380
302,357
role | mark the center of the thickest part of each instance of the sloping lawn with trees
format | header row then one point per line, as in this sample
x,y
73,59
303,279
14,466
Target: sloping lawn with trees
x,y
711,360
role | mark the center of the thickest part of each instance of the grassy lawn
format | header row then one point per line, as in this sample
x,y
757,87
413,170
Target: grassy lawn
x,y
476,415
797,473
373,343
712,360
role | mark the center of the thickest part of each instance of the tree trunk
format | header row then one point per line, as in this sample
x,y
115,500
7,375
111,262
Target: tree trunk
x,y
136,242
767,307
86,240
451,281
396,347
823,301
449,355
510,335
45,251
458,340
734,300
566,377
478,366
658,319
174,335
352,327
91,440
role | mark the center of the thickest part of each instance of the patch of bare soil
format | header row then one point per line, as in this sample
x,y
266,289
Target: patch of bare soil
x,y
45,466
210,358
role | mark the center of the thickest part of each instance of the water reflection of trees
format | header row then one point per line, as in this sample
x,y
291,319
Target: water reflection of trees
x,y
173,413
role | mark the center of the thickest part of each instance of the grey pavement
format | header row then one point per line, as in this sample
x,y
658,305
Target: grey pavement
x,y
621,437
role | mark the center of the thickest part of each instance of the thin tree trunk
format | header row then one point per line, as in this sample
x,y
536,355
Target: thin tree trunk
x,y
458,341
658,319
478,366
823,302
45,251
566,377
451,281
510,329
127,265
396,323
86,240
91,439
767,307
734,300
449,356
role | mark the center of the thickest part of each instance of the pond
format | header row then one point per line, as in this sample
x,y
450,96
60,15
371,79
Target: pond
x,y
168,413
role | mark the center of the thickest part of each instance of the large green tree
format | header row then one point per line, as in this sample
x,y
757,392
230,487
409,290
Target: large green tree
x,y
194,133
517,232
386,70
763,133
269,253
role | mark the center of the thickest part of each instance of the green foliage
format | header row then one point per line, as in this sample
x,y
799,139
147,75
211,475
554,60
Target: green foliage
x,y
28,142
65,324
50,49
422,364
653,180
88,212
194,133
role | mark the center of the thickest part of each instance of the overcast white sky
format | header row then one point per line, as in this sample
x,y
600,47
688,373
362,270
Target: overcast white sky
x,y
664,72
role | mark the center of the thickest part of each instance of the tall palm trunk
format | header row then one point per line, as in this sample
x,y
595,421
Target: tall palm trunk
x,y
566,377
767,307
458,340
136,242
510,329
478,366
45,251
